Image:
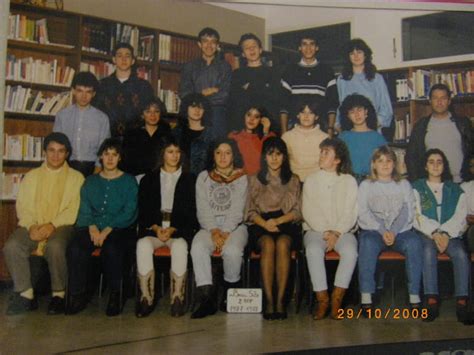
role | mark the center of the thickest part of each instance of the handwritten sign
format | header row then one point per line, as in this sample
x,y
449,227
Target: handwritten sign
x,y
244,300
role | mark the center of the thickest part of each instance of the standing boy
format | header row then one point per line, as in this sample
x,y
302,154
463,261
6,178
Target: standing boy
x,y
209,76
84,125
310,80
122,94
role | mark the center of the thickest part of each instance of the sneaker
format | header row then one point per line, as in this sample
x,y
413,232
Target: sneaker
x,y
56,306
19,305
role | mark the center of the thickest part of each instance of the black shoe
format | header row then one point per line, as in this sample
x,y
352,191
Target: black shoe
x,y
432,307
77,304
177,308
227,285
462,309
281,315
56,306
366,310
114,307
416,305
143,309
206,308
269,315
19,304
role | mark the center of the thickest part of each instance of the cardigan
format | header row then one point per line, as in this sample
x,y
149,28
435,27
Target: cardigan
x,y
183,214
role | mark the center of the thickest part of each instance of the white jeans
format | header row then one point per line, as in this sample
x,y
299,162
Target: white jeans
x,y
232,255
346,247
179,254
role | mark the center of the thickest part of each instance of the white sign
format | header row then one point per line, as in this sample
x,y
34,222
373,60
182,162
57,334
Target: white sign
x,y
244,300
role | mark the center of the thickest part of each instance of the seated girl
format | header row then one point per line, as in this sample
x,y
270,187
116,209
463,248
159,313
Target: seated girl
x,y
166,217
273,208
386,207
192,132
441,212
142,144
250,139
359,132
221,193
107,212
304,139
330,213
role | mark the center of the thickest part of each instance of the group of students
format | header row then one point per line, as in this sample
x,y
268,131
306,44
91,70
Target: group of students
x,y
199,187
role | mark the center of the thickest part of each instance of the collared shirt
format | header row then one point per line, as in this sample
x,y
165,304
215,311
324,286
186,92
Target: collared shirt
x,y
198,75
168,183
86,129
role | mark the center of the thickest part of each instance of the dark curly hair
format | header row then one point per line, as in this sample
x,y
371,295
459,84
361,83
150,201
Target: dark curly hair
x,y
446,175
342,153
271,145
369,68
356,100
237,157
194,99
263,113
160,160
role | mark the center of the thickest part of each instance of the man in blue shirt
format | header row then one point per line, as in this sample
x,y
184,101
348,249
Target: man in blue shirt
x,y
84,125
209,76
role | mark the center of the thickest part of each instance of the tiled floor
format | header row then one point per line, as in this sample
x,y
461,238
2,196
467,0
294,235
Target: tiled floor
x,y
94,333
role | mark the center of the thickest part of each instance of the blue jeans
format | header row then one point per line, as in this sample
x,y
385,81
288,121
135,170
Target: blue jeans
x,y
371,244
459,258
219,122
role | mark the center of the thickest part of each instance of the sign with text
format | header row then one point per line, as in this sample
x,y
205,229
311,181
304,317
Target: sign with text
x,y
244,300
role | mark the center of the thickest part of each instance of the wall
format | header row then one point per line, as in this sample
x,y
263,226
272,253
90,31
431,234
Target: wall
x,y
379,27
172,15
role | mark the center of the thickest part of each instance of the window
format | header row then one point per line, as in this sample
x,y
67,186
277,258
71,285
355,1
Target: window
x,y
331,40
438,35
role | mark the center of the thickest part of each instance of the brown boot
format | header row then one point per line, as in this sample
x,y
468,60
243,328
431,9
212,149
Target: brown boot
x,y
177,292
336,301
323,304
146,302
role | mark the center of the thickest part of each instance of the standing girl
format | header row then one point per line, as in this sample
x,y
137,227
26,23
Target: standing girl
x,y
441,212
359,132
360,76
273,208
167,217
250,139
304,139
386,206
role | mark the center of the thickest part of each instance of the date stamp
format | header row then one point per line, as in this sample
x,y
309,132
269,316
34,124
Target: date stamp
x,y
379,313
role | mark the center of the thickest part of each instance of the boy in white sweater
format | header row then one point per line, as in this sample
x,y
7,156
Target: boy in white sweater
x,y
330,213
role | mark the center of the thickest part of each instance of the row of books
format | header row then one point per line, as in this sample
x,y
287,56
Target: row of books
x,y
101,38
22,147
177,50
27,100
402,129
23,28
10,185
170,99
100,69
38,71
418,85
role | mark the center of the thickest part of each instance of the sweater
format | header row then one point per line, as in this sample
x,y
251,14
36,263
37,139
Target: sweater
x,y
361,145
453,209
375,90
386,206
250,147
314,82
254,86
329,202
183,213
303,149
108,203
219,204
68,208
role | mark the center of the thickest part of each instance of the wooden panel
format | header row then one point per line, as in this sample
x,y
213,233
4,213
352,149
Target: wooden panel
x,y
8,225
34,128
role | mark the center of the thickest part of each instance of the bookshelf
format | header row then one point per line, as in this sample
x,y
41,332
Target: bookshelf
x,y
46,47
409,88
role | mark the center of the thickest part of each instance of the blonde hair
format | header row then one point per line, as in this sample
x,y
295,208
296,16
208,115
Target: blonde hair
x,y
384,150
